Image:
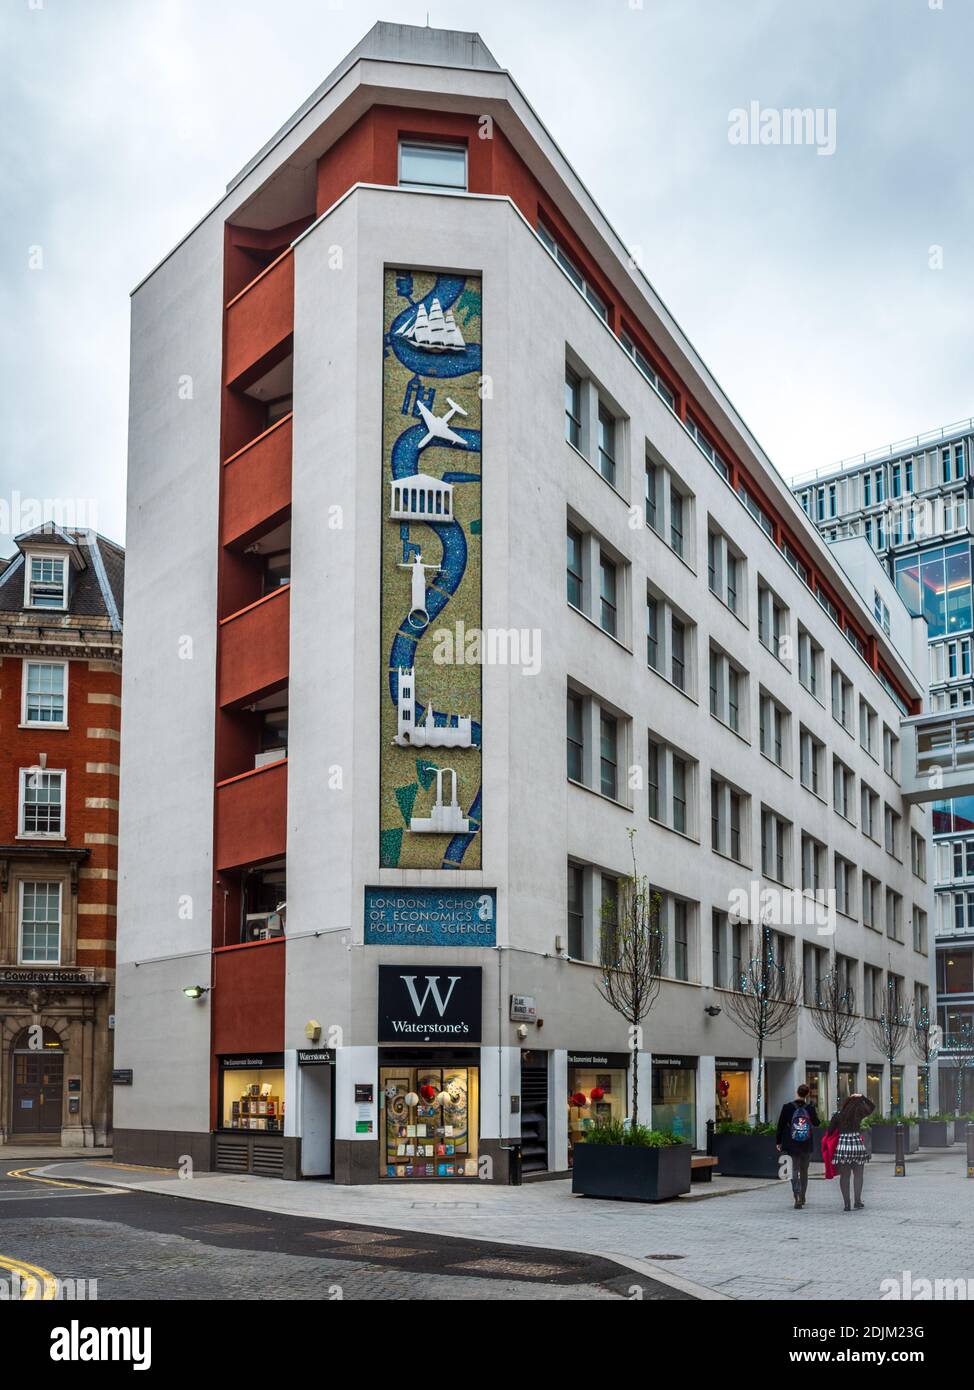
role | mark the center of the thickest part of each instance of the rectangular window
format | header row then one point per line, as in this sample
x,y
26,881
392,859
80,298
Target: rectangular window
x,y
681,940
608,612
573,408
607,445
652,632
680,795
40,923
576,737
609,759
676,521
576,911
652,495
774,832
572,271
46,581
655,759
41,803
679,669
45,690
810,657
647,369
574,568
432,166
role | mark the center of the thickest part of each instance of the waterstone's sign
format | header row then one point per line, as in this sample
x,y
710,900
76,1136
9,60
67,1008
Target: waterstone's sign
x,y
427,917
423,1004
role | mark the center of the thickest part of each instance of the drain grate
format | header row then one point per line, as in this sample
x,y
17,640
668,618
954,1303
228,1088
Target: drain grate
x,y
664,1257
352,1237
493,1265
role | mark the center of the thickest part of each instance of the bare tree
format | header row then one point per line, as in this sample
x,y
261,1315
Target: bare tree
x,y
891,1029
834,1014
765,1001
925,1042
959,1050
631,955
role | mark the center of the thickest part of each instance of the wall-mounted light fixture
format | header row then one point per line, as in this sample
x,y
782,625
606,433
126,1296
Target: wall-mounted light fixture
x,y
712,1010
196,991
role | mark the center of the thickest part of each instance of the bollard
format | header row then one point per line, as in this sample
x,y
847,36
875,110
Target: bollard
x,y
514,1167
970,1149
710,1139
899,1166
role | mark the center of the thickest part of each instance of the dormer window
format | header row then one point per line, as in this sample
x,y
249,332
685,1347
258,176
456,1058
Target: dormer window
x,y
432,166
47,581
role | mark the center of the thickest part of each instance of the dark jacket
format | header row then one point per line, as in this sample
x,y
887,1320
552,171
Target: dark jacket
x,y
783,1134
849,1119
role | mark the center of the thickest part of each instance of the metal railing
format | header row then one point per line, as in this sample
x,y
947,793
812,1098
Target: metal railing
x,y
888,451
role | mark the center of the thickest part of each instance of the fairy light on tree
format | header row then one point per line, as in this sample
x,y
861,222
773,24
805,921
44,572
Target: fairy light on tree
x,y
925,1040
959,1050
631,957
891,1029
834,1013
766,1000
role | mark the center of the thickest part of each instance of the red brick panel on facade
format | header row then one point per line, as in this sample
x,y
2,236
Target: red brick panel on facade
x,y
257,485
254,648
251,817
248,998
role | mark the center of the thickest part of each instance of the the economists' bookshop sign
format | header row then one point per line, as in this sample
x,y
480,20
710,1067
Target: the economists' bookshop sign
x,y
431,1003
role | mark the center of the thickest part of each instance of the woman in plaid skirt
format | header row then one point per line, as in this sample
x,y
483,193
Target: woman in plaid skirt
x,y
851,1157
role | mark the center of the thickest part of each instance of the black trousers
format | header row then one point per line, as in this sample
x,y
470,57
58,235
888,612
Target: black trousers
x,y
799,1172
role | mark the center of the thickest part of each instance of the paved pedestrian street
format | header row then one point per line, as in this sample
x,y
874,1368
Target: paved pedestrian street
x,y
146,1233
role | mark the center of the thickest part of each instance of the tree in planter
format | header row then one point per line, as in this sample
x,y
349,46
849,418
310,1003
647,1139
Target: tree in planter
x,y
765,1001
891,1029
959,1044
631,956
925,1042
834,1015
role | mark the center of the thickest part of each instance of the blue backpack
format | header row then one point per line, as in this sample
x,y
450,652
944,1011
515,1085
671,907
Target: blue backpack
x,y
801,1126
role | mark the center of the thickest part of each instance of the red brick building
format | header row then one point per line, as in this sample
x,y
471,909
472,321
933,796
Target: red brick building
x,y
60,708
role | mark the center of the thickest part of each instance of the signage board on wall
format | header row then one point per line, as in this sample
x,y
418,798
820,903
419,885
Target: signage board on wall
x,y
430,917
252,1061
683,1063
524,1008
732,1063
319,1057
599,1059
122,1076
425,1004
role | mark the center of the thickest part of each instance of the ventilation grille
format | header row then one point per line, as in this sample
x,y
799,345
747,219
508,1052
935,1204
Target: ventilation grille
x,y
232,1155
267,1162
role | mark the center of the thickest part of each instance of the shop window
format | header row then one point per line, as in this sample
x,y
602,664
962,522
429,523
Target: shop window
x,y
733,1092
817,1081
596,1095
252,1097
675,1098
428,1120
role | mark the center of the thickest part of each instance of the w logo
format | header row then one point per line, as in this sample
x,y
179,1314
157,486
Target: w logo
x,y
432,989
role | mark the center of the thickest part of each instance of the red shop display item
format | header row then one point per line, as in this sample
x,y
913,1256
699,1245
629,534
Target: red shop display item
x,y
427,1092
597,1093
579,1098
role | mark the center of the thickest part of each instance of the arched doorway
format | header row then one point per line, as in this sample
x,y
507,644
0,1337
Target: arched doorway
x,y
38,1083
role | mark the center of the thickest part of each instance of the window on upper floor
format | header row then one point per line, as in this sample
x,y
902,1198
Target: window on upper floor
x,y
573,408
919,930
670,642
45,693
669,509
891,753
728,691
918,855
811,658
40,923
841,699
775,846
41,804
892,822
894,915
46,583
647,369
845,886
813,865
432,165
596,580
772,622
811,761
870,902
868,727
869,811
843,789
607,444
725,570
568,265
774,730
729,818
671,780
596,738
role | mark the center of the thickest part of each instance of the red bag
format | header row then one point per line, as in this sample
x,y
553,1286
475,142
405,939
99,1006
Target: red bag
x,y
829,1145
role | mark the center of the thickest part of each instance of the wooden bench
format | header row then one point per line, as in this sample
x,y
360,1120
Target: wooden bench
x,y
702,1167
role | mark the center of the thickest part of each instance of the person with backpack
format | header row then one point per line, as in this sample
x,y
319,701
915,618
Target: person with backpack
x,y
850,1156
794,1137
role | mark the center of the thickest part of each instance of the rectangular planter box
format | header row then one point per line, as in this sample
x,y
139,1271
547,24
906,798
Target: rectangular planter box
x,y
629,1173
746,1155
960,1131
884,1138
936,1134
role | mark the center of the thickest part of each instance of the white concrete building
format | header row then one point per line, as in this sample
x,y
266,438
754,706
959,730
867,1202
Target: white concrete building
x,y
660,620
909,502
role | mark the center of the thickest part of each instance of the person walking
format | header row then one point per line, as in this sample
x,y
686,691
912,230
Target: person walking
x,y
794,1137
851,1156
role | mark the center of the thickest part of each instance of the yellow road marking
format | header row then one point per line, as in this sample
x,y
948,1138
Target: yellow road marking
x,y
40,1284
27,1176
134,1167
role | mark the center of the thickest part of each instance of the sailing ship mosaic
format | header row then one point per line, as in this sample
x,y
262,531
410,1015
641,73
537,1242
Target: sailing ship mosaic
x,y
430,767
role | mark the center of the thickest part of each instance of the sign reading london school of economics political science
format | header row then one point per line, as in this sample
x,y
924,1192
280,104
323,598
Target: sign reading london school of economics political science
x,y
430,917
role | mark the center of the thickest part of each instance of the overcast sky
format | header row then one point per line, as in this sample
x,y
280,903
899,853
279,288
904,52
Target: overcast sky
x,y
804,280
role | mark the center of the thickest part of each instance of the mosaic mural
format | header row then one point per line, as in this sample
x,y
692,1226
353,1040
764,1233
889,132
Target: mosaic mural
x,y
430,810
